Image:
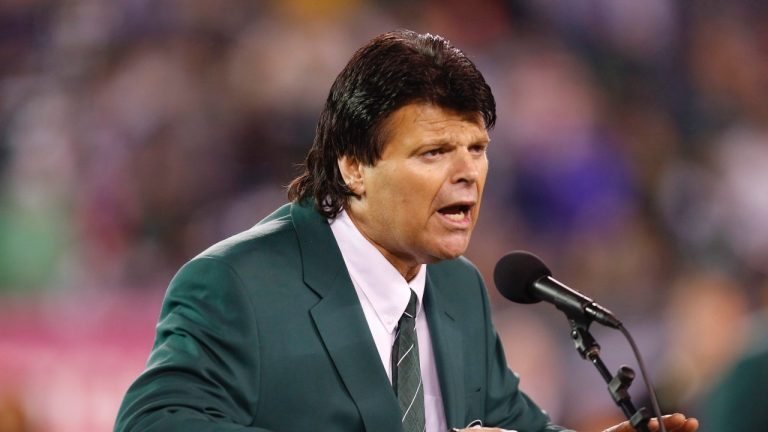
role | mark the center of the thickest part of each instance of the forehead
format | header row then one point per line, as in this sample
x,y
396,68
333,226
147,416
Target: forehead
x,y
425,121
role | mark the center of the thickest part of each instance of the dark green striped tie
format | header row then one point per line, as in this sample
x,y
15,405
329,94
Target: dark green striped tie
x,y
406,376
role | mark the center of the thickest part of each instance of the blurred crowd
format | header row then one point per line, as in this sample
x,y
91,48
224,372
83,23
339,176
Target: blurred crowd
x,y
631,154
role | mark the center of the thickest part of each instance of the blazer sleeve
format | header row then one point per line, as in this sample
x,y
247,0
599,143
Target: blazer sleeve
x,y
506,405
202,373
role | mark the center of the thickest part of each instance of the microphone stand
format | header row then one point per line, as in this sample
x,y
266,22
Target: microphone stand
x,y
618,385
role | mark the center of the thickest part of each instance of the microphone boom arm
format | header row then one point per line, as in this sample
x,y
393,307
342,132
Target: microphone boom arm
x,y
618,385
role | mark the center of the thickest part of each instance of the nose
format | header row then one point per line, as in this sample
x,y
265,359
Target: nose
x,y
466,166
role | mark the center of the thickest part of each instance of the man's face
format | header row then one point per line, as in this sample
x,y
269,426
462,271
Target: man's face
x,y
419,203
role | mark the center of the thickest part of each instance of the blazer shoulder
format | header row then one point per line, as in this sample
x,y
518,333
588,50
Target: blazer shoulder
x,y
274,233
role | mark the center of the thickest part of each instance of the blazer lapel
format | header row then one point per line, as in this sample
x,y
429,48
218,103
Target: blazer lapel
x,y
341,323
449,353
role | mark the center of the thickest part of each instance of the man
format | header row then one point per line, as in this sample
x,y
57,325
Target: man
x,y
351,308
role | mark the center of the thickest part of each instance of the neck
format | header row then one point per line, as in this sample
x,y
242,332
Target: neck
x,y
408,268
408,272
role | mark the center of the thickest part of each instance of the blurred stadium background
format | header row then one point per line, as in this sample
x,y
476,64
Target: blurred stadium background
x,y
631,153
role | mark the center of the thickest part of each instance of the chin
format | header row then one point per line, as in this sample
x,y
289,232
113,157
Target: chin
x,y
452,256
451,252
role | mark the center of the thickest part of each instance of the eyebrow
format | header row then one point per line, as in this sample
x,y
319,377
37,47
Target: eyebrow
x,y
444,141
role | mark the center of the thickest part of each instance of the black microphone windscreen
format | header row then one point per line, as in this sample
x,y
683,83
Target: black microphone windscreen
x,y
516,272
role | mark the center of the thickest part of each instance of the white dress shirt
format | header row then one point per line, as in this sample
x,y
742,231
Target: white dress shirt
x,y
384,293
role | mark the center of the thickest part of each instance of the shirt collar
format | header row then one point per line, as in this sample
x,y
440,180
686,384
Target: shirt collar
x,y
382,285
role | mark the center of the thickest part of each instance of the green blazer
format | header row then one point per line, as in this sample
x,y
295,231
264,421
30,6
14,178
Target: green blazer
x,y
264,332
738,400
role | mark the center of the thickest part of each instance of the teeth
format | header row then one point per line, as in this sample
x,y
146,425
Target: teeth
x,y
455,216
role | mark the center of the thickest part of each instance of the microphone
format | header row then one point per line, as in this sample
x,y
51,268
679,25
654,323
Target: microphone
x,y
523,278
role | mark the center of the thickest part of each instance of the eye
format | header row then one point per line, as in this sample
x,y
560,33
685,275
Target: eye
x,y
478,148
434,152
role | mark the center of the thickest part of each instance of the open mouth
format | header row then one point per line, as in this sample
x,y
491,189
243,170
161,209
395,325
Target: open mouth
x,y
458,212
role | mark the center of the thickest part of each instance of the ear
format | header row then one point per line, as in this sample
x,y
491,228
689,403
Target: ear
x,y
352,173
